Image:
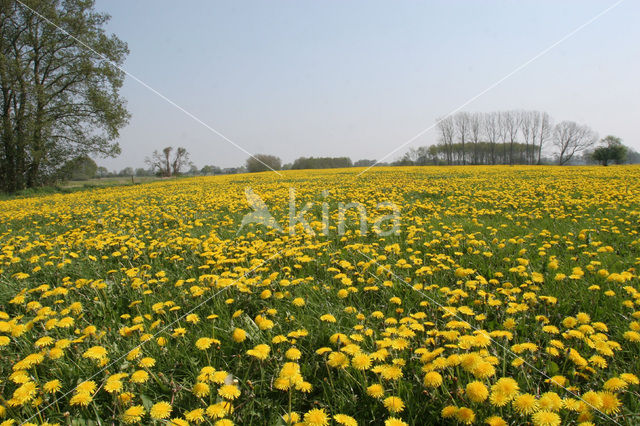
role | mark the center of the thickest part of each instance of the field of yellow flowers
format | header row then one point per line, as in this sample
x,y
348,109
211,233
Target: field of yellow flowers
x,y
506,295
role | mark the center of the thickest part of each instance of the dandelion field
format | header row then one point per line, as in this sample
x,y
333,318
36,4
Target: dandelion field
x,y
509,295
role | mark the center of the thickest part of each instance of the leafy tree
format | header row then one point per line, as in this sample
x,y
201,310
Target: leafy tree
x,y
127,171
140,172
210,170
321,163
612,151
80,168
102,172
58,99
262,163
364,163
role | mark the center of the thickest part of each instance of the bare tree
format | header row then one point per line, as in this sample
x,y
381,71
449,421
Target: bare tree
x,y
503,133
570,137
512,121
463,128
527,127
492,132
475,127
545,131
163,164
180,160
446,127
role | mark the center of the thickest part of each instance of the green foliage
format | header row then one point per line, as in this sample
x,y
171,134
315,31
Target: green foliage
x,y
321,163
79,168
613,151
263,162
59,98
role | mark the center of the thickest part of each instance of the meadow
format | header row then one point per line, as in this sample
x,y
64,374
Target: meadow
x,y
506,295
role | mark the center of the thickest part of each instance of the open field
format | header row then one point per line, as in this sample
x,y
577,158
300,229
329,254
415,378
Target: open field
x,y
506,295
114,181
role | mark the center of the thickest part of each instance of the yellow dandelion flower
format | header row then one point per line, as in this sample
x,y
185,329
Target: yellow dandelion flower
x,y
375,391
394,404
432,379
52,386
229,392
546,418
465,415
393,421
477,391
609,403
525,404
160,410
316,417
133,414
239,335
345,420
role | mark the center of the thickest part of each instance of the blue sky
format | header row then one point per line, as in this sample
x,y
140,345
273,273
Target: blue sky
x,y
358,78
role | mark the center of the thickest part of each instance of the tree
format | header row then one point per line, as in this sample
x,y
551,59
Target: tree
x,y
163,164
612,150
476,123
570,138
512,123
140,172
262,163
102,172
58,99
544,131
80,168
210,170
492,133
463,128
446,127
321,163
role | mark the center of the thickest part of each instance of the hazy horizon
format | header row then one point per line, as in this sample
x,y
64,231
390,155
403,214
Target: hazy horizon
x,y
358,79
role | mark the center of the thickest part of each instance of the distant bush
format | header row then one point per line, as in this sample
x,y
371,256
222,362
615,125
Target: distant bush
x,y
321,163
262,163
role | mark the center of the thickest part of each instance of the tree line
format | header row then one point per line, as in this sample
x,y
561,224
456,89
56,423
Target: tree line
x,y
503,137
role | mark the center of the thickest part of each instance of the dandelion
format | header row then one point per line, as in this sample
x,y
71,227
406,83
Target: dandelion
x,y
615,384
52,386
550,401
229,392
133,414
393,421
345,420
465,415
394,404
546,418
495,421
139,376
204,343
361,361
525,404
160,410
477,391
375,391
432,379
239,335
610,404
293,354
260,352
448,411
316,417
201,389
196,416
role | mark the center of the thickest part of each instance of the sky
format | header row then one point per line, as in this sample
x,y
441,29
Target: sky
x,y
360,78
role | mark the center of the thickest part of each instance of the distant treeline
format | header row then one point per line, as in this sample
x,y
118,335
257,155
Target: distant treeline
x,y
321,163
